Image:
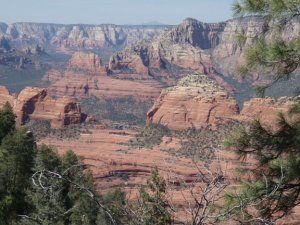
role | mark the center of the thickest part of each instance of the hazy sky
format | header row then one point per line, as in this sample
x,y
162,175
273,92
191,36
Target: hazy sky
x,y
113,11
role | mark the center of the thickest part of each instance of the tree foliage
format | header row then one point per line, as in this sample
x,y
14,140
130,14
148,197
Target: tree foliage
x,y
153,206
274,185
271,54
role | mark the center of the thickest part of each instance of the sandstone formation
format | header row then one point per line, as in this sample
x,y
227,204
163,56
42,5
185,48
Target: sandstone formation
x,y
198,46
87,76
196,101
89,62
77,36
36,104
81,85
5,96
267,109
184,46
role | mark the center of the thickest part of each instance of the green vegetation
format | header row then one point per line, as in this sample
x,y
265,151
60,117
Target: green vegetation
x,y
149,137
42,129
154,207
274,56
40,187
198,144
37,186
122,110
270,191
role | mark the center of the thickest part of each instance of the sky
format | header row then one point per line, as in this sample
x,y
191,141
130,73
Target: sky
x,y
113,11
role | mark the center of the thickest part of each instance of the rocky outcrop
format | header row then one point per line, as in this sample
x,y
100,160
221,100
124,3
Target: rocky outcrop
x,y
77,36
200,47
36,104
267,109
5,96
89,62
196,101
81,85
87,76
183,47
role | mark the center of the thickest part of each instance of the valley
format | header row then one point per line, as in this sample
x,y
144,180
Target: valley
x,y
130,98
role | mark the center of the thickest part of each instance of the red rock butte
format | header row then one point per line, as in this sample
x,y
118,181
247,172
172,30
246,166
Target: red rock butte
x,y
88,62
35,103
195,102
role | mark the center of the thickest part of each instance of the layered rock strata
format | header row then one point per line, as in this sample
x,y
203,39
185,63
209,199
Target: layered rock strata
x,y
77,36
195,102
36,104
267,110
87,76
200,47
88,62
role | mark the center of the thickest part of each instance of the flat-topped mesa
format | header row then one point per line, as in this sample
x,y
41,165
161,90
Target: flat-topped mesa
x,y
36,104
196,101
88,62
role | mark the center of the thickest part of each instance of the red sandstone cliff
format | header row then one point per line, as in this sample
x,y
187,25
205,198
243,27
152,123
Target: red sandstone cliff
x,y
196,101
89,62
35,103
82,79
266,110
199,101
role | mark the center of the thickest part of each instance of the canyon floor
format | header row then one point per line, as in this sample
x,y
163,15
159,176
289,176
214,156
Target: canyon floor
x,y
116,162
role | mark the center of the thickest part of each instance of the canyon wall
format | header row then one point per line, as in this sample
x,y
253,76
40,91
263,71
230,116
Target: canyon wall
x,y
77,35
200,47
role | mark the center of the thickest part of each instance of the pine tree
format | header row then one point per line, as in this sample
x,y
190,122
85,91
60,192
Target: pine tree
x,y
17,152
154,208
273,187
7,121
271,54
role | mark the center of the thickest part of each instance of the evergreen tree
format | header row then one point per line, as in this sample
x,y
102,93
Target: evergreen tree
x,y
271,54
17,152
7,121
63,193
273,186
154,207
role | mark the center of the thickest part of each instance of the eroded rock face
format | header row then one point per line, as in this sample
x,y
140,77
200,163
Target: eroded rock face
x,y
179,46
77,36
86,76
89,62
5,96
266,110
200,47
196,101
35,103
